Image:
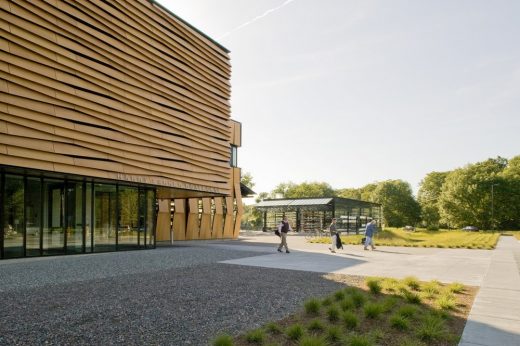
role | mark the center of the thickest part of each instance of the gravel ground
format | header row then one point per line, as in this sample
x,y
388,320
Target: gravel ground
x,y
167,296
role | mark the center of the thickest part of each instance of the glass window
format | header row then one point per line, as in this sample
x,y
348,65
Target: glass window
x,y
53,217
33,216
74,217
13,206
89,235
141,240
105,204
128,217
150,217
233,160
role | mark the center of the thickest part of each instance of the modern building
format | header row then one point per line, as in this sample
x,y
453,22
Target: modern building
x,y
115,129
309,214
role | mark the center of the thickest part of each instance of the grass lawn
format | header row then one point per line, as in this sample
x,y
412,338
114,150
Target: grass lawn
x,y
374,311
422,238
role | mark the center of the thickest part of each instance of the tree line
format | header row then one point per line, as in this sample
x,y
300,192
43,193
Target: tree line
x,y
484,194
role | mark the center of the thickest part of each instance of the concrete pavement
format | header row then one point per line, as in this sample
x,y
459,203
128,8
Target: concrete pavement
x,y
494,319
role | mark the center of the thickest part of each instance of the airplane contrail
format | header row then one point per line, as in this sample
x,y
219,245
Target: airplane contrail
x,y
269,11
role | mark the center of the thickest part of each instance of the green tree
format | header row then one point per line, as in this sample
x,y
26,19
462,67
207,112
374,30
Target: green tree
x,y
349,193
428,198
313,189
399,205
466,194
247,180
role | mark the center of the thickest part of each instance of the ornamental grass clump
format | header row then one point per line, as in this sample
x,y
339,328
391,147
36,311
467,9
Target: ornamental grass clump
x,y
255,336
399,322
333,314
350,320
374,285
389,303
358,298
407,310
430,289
412,282
316,326
359,340
412,297
326,301
339,295
389,285
455,287
294,332
431,328
373,310
333,334
223,340
347,304
446,301
312,341
273,328
312,306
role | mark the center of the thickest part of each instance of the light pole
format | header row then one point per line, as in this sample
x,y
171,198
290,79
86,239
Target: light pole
x,y
492,207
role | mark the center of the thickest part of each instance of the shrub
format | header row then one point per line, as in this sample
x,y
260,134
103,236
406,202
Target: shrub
x,y
316,326
255,336
350,319
373,310
223,340
295,332
333,314
431,328
374,285
333,334
312,306
430,289
312,341
412,282
399,322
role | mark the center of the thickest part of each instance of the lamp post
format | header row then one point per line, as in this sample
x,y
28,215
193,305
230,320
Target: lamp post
x,y
492,207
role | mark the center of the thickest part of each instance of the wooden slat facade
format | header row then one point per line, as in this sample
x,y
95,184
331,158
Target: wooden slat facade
x,y
118,89
123,90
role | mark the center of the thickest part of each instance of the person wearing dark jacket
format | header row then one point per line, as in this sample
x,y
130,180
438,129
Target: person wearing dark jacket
x,y
333,235
283,228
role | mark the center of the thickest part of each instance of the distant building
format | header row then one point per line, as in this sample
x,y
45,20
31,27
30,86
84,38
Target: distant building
x,y
115,129
308,214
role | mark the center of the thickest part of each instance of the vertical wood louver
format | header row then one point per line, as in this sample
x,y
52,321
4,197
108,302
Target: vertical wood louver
x,y
114,89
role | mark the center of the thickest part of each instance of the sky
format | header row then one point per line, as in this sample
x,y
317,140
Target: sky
x,y
351,92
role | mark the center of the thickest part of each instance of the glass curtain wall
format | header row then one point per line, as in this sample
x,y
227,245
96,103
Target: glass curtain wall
x,y
13,210
33,216
48,216
105,217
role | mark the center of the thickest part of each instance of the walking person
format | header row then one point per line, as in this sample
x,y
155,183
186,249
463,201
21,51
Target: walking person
x,y
283,228
370,230
333,235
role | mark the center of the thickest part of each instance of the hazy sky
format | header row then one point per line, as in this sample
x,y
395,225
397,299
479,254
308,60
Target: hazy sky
x,y
352,92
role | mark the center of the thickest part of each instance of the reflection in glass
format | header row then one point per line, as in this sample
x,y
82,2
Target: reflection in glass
x,y
73,217
105,203
141,240
13,208
128,217
53,217
88,218
150,217
33,216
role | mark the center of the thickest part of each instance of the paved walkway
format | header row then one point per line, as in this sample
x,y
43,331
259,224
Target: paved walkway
x,y
494,319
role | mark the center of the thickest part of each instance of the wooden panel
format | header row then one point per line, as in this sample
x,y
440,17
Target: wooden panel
x,y
236,133
119,89
192,228
163,220
218,219
179,220
205,219
238,200
229,226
